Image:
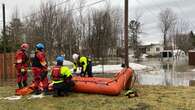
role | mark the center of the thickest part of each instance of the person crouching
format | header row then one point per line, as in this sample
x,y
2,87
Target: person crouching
x,y
61,78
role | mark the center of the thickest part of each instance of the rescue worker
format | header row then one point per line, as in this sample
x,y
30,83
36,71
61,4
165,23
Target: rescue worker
x,y
22,65
83,62
61,78
39,70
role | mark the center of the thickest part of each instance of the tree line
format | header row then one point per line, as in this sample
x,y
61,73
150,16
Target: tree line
x,y
176,31
90,31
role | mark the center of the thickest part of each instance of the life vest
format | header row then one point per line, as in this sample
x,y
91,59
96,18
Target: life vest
x,y
59,73
36,61
21,57
55,75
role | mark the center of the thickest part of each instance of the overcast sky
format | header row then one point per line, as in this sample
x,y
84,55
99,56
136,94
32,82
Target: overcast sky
x,y
149,10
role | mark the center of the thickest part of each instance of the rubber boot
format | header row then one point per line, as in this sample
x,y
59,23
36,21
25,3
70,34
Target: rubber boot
x,y
24,84
55,93
69,86
46,92
90,75
84,74
61,93
19,85
37,91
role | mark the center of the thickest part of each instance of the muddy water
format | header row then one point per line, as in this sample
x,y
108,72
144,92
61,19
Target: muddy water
x,y
167,72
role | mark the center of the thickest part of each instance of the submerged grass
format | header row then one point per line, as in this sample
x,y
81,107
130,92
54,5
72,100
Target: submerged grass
x,y
150,98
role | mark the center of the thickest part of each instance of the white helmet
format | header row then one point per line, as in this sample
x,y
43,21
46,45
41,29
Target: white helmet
x,y
75,56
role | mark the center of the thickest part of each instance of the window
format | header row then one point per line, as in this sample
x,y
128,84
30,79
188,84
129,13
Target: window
x,y
157,49
148,49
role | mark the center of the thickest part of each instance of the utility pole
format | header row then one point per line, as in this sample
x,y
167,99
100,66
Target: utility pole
x,y
126,33
4,45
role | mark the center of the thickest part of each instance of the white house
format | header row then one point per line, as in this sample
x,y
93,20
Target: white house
x,y
154,49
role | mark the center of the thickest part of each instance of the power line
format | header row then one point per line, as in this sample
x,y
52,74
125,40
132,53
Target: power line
x,y
158,6
182,12
153,14
94,3
61,3
178,6
91,4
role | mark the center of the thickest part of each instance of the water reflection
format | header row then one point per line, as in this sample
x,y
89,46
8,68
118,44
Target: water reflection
x,y
174,73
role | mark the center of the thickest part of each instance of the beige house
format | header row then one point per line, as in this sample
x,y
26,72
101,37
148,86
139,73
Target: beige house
x,y
154,49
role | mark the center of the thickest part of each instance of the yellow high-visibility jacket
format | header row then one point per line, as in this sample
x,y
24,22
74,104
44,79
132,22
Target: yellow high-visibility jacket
x,y
82,63
63,71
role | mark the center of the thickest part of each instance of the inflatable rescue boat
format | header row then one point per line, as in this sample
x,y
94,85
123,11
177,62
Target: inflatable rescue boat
x,y
95,85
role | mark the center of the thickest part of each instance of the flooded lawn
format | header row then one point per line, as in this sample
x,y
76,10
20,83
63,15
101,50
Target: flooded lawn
x,y
169,72
174,73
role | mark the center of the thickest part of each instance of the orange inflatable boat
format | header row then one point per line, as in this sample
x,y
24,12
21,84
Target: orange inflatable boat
x,y
96,85
108,86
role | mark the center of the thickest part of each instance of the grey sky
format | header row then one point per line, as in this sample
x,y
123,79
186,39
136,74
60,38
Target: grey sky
x,y
149,10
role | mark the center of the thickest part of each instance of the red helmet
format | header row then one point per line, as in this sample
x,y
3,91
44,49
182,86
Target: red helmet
x,y
24,46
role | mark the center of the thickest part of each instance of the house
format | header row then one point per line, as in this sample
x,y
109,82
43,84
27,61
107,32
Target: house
x,y
166,54
147,49
153,49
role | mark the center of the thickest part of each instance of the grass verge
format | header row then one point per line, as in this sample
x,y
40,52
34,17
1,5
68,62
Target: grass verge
x,y
150,98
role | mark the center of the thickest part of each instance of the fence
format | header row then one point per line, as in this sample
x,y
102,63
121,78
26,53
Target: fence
x,y
10,72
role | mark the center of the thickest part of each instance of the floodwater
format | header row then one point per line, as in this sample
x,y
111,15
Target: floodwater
x,y
167,72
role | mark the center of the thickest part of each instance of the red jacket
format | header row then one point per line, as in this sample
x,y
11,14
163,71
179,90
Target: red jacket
x,y
39,60
21,58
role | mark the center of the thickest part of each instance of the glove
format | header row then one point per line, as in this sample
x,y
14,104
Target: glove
x,y
22,70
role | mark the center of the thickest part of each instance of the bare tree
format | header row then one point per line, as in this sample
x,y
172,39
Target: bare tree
x,y
64,31
15,32
47,25
101,36
81,24
193,38
182,36
55,27
135,29
117,26
32,31
167,20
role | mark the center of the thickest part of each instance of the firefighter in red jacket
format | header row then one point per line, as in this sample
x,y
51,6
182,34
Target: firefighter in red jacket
x,y
21,65
39,69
